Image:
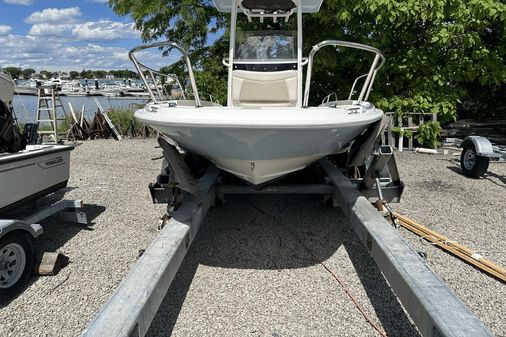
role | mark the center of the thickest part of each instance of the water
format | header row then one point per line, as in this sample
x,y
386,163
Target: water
x,y
25,107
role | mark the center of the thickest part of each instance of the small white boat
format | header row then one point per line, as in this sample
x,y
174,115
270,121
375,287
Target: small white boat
x,y
267,128
33,173
27,172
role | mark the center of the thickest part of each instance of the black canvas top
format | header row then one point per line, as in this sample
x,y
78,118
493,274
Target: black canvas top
x,y
269,5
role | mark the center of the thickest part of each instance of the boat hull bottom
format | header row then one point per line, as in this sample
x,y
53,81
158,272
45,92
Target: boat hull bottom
x,y
258,172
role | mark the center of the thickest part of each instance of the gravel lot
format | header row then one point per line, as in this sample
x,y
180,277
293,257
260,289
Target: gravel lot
x,y
253,269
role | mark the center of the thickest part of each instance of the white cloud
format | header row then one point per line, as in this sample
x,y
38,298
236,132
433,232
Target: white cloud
x,y
103,30
56,53
47,29
101,1
60,40
4,30
19,2
54,15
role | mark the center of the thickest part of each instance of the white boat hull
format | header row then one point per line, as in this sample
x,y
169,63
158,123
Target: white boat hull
x,y
259,145
33,173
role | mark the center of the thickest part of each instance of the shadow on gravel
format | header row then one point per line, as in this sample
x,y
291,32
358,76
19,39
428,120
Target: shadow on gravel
x,y
275,233
502,179
486,176
58,230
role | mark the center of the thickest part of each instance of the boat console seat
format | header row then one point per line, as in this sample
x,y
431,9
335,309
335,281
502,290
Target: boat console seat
x,y
269,89
269,5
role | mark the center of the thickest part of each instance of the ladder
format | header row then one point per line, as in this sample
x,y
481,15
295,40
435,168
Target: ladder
x,y
50,112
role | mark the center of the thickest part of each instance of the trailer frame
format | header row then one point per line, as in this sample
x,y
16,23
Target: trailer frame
x,y
431,304
16,237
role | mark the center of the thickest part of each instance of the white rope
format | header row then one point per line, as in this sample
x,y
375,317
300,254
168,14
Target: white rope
x,y
27,114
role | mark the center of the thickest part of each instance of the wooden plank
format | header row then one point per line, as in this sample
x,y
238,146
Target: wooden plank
x,y
410,139
74,117
49,263
468,255
82,117
391,140
107,120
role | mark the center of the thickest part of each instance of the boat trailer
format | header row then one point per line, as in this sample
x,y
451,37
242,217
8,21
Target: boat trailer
x,y
477,153
16,239
430,303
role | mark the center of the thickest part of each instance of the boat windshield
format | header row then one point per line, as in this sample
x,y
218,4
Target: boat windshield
x,y
266,46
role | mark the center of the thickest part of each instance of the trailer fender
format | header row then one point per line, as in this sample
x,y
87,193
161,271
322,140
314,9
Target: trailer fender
x,y
482,145
7,226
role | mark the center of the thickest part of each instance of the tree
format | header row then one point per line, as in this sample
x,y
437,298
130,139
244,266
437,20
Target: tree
x,y
99,73
46,74
443,56
74,74
27,73
13,71
190,20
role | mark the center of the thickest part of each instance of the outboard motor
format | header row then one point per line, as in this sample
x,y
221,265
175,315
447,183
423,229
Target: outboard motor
x,y
11,139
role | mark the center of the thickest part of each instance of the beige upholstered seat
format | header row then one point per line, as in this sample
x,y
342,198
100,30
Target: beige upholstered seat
x,y
253,88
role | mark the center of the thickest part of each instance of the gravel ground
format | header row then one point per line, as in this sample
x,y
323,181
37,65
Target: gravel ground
x,y
254,267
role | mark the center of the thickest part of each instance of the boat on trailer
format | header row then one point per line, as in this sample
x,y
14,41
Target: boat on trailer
x,y
268,128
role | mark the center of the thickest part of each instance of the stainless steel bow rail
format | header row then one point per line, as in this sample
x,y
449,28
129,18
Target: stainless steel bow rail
x,y
377,63
142,69
434,308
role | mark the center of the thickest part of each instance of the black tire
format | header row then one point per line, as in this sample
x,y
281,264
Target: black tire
x,y
472,165
22,243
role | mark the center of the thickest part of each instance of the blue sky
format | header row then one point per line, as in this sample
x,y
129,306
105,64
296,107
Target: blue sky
x,y
66,35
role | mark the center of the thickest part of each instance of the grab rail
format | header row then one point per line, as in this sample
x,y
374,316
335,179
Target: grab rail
x,y
139,66
366,88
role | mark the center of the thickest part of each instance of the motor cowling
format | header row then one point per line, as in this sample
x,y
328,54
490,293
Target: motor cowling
x,y
11,139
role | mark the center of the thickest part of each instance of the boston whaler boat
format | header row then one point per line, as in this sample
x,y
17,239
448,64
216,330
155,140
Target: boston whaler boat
x,y
27,172
267,129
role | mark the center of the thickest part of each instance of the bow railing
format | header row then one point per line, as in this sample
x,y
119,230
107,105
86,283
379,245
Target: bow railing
x,y
155,93
377,63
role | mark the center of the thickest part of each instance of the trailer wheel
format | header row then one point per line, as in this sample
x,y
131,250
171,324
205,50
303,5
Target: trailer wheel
x,y
16,262
472,164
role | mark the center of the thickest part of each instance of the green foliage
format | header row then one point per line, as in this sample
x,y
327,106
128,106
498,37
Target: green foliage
x,y
443,56
27,73
74,74
90,74
434,49
428,134
13,71
48,74
123,118
187,22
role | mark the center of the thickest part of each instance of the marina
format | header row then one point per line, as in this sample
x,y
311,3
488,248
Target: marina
x,y
26,106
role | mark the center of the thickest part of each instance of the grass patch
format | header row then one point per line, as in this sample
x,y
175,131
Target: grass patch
x,y
122,119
